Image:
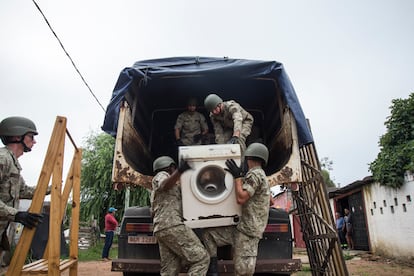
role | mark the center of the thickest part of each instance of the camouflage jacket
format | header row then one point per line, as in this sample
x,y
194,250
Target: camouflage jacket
x,y
233,118
12,187
165,204
190,124
255,212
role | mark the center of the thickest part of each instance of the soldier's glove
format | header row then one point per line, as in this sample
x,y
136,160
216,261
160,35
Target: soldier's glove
x,y
183,166
30,220
197,138
178,142
233,140
232,168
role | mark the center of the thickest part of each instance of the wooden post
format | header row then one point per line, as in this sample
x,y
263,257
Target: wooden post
x,y
74,227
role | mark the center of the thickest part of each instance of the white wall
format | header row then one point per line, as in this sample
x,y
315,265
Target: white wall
x,y
390,218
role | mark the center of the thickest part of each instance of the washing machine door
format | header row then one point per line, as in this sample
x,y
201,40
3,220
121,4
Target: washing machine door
x,y
211,184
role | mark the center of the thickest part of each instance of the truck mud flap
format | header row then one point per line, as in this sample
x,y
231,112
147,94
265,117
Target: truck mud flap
x,y
136,265
224,266
265,266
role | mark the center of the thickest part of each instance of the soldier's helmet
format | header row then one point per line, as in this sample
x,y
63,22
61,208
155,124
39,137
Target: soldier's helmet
x,y
192,102
211,102
162,163
17,126
257,150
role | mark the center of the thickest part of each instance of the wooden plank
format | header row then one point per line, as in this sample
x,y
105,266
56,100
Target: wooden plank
x,y
74,227
40,267
26,238
55,222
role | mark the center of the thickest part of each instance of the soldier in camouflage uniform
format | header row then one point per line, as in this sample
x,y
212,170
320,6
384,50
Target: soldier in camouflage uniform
x,y
232,124
178,243
17,134
253,193
190,126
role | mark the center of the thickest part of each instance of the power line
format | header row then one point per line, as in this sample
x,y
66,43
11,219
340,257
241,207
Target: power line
x,y
67,54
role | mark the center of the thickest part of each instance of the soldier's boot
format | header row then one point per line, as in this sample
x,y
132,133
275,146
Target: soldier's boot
x,y
212,268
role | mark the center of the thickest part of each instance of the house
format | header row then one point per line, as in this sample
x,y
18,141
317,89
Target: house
x,y
383,217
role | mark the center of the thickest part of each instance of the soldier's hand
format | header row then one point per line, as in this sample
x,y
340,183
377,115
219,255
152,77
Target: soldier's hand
x,y
233,140
183,166
178,142
235,170
30,220
197,138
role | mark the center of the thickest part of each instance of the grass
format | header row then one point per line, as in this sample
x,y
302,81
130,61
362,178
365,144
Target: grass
x,y
94,253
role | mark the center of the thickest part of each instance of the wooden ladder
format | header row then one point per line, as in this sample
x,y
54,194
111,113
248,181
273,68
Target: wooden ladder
x,y
51,264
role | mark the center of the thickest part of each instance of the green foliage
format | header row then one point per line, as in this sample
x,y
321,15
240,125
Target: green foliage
x,y
327,179
396,154
94,253
326,166
97,193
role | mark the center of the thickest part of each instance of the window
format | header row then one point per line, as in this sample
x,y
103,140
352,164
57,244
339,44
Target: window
x,y
404,207
392,209
372,212
408,198
395,201
385,203
375,205
381,211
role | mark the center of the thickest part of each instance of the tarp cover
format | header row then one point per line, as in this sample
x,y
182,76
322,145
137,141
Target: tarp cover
x,y
154,72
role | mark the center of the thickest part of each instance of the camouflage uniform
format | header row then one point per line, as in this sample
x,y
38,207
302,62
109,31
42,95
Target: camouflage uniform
x,y
190,124
177,243
246,235
12,188
232,118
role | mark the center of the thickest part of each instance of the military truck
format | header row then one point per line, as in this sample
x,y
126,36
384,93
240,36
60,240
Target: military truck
x,y
145,103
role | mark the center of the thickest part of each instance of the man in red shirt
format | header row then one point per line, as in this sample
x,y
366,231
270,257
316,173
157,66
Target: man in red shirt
x,y
110,225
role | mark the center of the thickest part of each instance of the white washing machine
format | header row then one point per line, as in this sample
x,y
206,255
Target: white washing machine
x,y
208,193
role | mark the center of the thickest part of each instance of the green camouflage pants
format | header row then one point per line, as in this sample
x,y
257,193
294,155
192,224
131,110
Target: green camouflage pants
x,y
178,246
244,247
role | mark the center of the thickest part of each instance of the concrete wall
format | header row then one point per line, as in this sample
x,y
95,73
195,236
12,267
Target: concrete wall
x,y
390,218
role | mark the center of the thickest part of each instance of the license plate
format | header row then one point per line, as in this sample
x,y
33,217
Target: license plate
x,y
142,239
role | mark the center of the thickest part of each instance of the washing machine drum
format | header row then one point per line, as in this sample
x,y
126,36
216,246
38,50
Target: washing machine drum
x,y
211,184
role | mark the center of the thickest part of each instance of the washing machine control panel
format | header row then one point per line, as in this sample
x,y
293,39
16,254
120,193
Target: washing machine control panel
x,y
227,151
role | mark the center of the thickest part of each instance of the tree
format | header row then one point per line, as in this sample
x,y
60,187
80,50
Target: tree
x,y
97,193
396,154
326,166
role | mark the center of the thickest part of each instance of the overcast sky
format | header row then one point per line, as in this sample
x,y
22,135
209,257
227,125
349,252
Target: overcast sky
x,y
346,59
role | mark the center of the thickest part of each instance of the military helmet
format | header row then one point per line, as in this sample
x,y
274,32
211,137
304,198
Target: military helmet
x,y
16,126
211,102
192,102
257,150
162,163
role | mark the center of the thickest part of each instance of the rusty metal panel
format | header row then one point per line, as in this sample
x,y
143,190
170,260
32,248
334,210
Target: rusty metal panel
x,y
291,172
122,172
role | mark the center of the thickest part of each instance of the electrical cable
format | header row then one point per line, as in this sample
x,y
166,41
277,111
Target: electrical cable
x,y
67,54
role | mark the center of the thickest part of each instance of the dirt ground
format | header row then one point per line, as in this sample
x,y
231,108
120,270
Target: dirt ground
x,y
360,265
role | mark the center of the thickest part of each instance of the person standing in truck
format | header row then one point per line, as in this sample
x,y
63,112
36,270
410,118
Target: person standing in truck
x,y
252,192
178,244
232,124
190,126
17,134
110,226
